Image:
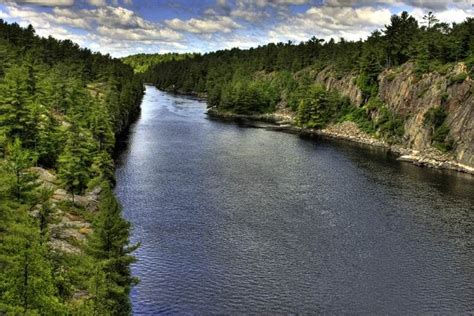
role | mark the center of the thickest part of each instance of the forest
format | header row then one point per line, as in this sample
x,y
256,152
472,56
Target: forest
x,y
259,79
61,108
142,62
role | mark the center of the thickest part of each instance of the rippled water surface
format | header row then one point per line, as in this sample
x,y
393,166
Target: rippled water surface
x,y
245,220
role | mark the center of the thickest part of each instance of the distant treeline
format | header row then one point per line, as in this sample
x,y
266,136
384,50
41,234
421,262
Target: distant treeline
x,y
257,79
142,62
60,108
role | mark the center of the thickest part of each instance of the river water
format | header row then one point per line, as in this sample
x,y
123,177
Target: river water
x,y
245,220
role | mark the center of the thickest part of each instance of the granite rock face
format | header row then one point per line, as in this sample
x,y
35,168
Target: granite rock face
x,y
411,96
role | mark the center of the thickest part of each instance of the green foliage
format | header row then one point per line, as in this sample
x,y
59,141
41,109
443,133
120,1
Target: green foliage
x,y
142,62
470,65
320,107
109,245
444,98
435,119
17,107
391,77
246,96
368,85
224,75
75,161
376,119
17,164
60,108
389,125
26,282
459,78
400,34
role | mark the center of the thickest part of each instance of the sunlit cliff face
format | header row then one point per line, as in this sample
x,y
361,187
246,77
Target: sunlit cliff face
x,y
123,27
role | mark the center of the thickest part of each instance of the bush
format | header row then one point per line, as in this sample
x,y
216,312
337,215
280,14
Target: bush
x,y
470,65
459,78
444,98
319,107
390,77
367,85
435,119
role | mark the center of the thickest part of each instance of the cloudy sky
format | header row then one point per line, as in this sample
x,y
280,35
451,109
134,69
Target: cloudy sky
x,y
123,27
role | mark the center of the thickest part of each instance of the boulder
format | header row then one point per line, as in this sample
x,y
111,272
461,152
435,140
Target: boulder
x,y
63,246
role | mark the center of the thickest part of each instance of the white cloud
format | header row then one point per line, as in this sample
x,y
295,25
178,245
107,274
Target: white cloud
x,y
46,3
97,3
325,22
449,15
119,23
249,15
113,30
138,34
263,3
207,25
426,4
43,19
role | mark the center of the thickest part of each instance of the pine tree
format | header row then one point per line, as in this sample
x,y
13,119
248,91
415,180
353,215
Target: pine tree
x,y
109,243
26,284
103,167
75,161
101,128
15,103
430,20
17,164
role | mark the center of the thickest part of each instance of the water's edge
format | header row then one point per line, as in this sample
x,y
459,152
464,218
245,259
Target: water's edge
x,y
277,122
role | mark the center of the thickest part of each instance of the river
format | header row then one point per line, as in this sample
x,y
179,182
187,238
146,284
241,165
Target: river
x,y
246,220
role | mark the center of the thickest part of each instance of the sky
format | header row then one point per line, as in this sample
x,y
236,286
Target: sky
x,y
124,27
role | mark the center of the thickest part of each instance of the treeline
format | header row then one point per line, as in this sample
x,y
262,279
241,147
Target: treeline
x,y
60,108
142,62
255,80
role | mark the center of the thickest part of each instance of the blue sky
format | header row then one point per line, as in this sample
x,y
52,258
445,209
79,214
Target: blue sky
x,y
123,27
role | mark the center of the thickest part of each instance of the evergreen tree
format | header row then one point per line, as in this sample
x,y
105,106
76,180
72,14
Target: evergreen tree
x,y
53,112
15,101
109,243
101,128
17,164
75,161
26,284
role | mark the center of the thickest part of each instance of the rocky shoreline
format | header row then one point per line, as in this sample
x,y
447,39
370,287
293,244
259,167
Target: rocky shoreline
x,y
349,131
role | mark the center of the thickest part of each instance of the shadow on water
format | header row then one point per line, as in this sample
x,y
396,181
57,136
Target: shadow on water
x,y
381,163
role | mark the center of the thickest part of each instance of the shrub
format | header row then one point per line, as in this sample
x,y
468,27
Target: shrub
x,y
435,119
470,65
444,98
390,77
459,78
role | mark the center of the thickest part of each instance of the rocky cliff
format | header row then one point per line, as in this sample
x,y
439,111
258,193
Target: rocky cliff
x,y
411,96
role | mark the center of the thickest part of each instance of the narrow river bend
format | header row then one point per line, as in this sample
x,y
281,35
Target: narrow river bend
x,y
244,220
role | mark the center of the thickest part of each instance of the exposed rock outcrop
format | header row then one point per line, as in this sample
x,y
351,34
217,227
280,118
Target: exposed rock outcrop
x,y
68,230
411,96
345,85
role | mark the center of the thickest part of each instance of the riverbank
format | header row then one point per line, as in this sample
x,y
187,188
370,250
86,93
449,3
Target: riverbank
x,y
349,131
